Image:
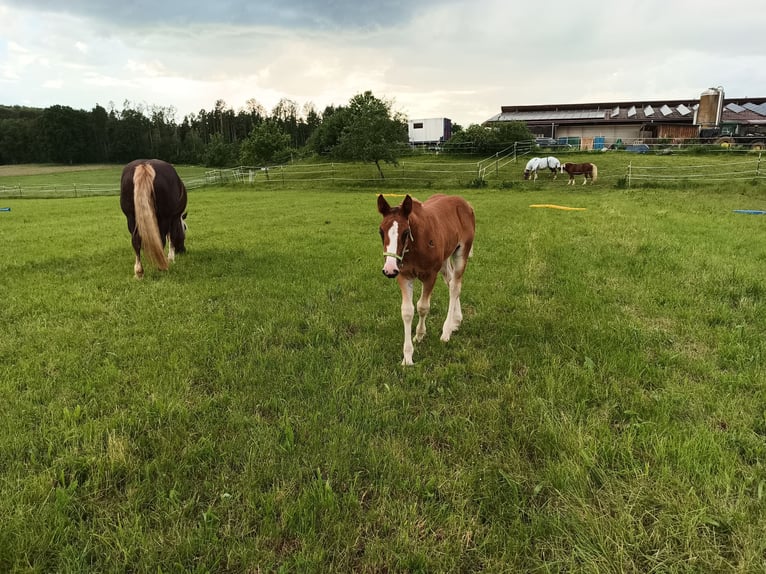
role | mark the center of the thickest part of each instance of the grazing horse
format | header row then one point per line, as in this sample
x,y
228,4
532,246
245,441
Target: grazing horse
x,y
153,198
420,240
588,170
537,163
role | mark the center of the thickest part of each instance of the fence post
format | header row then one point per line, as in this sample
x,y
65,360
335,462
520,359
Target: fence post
x,y
630,167
758,166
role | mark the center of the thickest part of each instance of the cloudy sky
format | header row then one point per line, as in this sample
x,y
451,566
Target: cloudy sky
x,y
460,59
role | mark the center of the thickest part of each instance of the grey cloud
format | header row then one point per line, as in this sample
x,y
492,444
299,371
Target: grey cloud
x,y
307,14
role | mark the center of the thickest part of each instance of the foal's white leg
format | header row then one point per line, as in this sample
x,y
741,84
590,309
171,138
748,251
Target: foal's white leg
x,y
454,282
408,312
455,316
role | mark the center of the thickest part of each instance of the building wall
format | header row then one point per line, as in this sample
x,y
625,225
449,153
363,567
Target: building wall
x,y
431,130
610,133
678,132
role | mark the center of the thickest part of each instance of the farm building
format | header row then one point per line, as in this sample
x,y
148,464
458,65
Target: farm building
x,y
594,125
432,131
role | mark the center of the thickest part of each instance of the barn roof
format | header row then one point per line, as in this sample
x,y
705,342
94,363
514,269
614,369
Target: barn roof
x,y
740,110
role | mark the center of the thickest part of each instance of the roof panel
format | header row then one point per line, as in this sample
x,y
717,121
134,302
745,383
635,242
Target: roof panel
x,y
648,110
632,111
553,115
736,108
683,110
665,110
758,109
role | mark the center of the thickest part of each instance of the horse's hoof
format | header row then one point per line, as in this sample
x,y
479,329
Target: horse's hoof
x,y
407,362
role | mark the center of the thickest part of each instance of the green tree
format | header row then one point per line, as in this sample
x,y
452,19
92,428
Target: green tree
x,y
218,153
488,140
372,132
509,133
326,135
99,120
267,144
65,133
129,133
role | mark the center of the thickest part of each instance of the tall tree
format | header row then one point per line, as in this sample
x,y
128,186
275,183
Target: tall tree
x,y
372,133
267,144
130,132
326,136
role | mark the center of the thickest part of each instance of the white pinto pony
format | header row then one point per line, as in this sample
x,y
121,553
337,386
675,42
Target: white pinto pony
x,y
537,163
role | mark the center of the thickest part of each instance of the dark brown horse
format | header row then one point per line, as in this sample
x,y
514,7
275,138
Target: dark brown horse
x,y
588,170
153,198
420,240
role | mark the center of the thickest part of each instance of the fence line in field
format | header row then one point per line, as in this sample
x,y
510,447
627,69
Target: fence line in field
x,y
745,170
501,164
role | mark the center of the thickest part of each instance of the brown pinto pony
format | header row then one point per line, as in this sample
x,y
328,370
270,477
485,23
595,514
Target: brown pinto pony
x,y
153,199
420,240
588,170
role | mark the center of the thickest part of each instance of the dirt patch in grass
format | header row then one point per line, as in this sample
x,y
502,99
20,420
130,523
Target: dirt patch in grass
x,y
42,169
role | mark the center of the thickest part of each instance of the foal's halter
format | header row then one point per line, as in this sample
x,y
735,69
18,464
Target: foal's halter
x,y
407,241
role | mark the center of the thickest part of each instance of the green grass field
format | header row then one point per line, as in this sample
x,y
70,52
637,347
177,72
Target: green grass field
x,y
602,408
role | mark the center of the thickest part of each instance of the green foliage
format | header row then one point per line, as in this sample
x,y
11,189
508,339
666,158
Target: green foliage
x,y
218,153
326,136
65,134
371,132
267,144
476,183
487,140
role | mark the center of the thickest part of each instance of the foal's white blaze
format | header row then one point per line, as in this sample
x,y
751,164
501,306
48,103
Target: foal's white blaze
x,y
390,266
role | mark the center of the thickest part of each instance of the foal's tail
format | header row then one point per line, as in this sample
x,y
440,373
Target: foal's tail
x,y
595,173
146,218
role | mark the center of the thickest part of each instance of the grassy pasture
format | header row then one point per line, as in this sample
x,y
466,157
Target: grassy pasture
x,y
602,408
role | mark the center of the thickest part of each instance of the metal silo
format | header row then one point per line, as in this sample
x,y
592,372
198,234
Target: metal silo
x,y
710,108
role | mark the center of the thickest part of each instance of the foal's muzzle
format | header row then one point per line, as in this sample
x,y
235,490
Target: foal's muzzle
x,y
391,265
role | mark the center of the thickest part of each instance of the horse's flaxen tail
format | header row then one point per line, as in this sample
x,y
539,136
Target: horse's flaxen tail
x,y
146,218
595,172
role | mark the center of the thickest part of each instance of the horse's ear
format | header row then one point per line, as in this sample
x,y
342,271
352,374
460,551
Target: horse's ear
x,y
383,206
407,206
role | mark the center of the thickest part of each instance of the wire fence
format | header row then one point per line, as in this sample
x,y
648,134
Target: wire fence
x,y
501,168
748,169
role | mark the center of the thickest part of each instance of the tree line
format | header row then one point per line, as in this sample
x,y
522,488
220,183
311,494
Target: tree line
x,y
366,129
